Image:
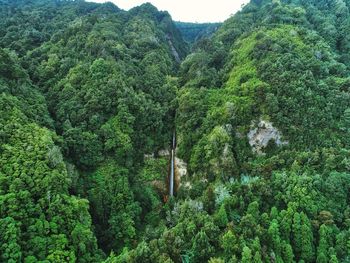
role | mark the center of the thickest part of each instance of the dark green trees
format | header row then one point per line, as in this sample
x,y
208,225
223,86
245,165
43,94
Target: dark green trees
x,y
90,94
281,67
40,220
114,210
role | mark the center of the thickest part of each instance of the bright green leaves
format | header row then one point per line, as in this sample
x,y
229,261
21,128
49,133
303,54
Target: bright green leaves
x,y
214,154
34,188
28,146
106,78
10,250
230,244
117,135
247,255
154,169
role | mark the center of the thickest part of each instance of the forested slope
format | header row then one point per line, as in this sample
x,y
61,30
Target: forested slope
x,y
90,93
263,122
86,91
192,32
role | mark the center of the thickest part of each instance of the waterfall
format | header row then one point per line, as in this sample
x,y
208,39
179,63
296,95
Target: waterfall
x,y
172,171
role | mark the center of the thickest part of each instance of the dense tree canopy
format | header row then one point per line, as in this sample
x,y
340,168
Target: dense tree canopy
x,y
90,97
86,91
192,32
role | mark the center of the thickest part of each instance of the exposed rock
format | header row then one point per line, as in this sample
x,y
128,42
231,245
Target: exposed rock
x,y
228,128
239,135
188,185
149,156
181,167
160,186
173,49
260,136
161,153
164,153
180,172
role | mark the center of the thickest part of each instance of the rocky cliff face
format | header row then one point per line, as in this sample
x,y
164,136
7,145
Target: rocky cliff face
x,y
262,134
173,49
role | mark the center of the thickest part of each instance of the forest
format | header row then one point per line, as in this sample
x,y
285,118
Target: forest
x,y
91,96
193,32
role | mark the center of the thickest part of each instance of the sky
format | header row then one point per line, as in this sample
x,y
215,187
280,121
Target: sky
x,y
189,10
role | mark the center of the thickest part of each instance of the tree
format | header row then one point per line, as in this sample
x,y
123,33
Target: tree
x,y
322,250
297,234
307,252
274,235
215,260
54,225
9,238
253,209
246,255
114,207
334,259
287,253
257,257
142,253
229,243
202,249
221,217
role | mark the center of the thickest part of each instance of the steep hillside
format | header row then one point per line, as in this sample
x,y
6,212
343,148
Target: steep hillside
x,y
86,92
90,97
263,123
193,32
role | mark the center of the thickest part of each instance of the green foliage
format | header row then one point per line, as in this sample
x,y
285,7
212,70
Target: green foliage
x,y
193,32
40,220
246,255
229,244
90,95
15,81
202,249
221,219
154,169
280,66
113,206
99,79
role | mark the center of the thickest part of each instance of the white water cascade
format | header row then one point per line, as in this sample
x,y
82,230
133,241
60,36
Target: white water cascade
x,y
172,171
